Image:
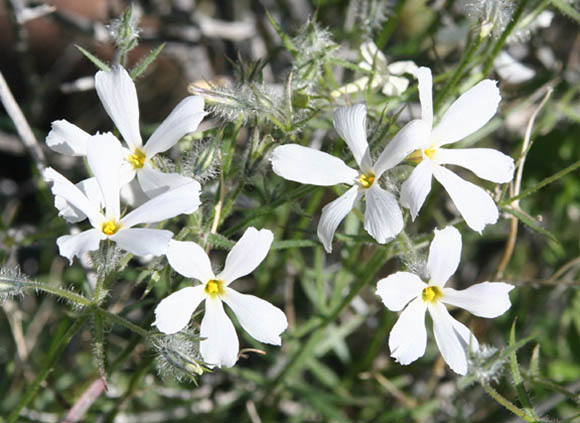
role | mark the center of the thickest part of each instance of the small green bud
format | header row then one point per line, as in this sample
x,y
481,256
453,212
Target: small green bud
x,y
300,100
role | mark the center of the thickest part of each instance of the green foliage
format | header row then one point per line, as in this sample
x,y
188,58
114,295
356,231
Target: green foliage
x,y
334,363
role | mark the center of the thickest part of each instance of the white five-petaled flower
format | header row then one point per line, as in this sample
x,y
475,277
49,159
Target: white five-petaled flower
x,y
383,219
219,345
408,338
105,162
466,115
118,95
385,75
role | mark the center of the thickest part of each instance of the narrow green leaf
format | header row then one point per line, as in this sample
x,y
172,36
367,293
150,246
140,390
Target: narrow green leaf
x,y
293,243
530,223
535,362
567,9
286,40
220,241
98,62
144,64
544,182
517,377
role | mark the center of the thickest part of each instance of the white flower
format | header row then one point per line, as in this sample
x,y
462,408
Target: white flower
x,y
259,318
510,70
104,159
117,92
383,219
385,74
466,115
408,338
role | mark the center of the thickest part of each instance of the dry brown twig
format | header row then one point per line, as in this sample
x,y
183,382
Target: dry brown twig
x,y
515,188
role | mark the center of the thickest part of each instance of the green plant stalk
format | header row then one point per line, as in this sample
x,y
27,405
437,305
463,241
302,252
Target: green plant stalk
x,y
502,40
122,321
301,355
517,377
65,294
506,403
390,25
543,183
465,61
85,302
54,355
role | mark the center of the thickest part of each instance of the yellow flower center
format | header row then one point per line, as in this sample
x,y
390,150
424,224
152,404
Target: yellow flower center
x,y
430,152
431,294
137,159
214,287
417,155
110,227
366,180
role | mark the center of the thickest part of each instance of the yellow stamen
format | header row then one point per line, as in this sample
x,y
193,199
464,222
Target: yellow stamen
x,y
366,180
214,287
137,159
431,294
110,227
417,155
430,152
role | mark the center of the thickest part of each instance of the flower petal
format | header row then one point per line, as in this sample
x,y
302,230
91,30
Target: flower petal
x,y
404,66
414,135
190,260
104,156
350,123
371,53
415,189
468,113
487,299
310,166
448,341
117,92
466,337
247,254
475,205
72,195
510,70
398,289
70,246
426,94
444,255
174,312
183,199
383,217
66,138
395,85
486,163
154,182
184,118
143,241
333,213
408,338
220,346
263,321
132,194
72,214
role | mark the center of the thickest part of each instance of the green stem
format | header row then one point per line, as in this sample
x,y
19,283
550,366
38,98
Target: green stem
x,y
53,356
502,40
123,322
465,60
506,403
543,183
59,292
